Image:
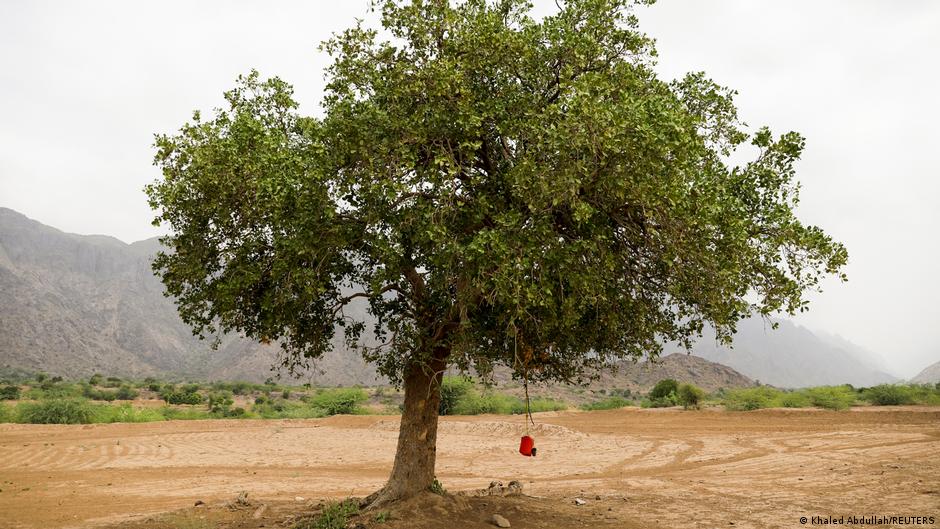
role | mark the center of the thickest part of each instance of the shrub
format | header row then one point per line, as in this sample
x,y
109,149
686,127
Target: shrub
x,y
437,488
663,389
748,399
107,413
6,413
794,399
220,403
453,390
610,403
125,392
112,382
690,396
341,401
831,397
55,411
889,395
173,396
94,393
10,392
333,516
95,379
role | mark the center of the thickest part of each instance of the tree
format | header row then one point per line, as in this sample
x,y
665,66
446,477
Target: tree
x,y
498,189
664,388
690,396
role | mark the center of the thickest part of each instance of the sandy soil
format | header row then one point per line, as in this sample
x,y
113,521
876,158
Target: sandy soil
x,y
634,468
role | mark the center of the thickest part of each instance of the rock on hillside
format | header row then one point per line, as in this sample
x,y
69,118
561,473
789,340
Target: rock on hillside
x,y
930,375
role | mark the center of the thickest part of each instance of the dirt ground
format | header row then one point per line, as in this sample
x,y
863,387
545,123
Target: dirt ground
x,y
631,467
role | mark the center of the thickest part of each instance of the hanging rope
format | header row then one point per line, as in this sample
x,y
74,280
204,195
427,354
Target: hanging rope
x,y
525,379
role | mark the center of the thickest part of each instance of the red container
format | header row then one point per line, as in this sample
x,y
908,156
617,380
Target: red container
x,y
527,446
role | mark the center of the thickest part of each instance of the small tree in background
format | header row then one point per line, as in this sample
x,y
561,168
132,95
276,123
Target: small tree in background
x,y
690,396
498,189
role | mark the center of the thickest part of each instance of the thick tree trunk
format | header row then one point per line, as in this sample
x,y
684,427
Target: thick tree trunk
x,y
413,471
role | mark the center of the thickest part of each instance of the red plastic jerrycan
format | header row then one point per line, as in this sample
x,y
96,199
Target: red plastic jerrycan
x,y
527,446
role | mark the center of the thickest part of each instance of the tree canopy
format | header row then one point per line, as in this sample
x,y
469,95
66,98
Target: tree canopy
x,y
500,189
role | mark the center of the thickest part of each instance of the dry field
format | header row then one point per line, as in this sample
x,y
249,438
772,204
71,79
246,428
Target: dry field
x,y
634,468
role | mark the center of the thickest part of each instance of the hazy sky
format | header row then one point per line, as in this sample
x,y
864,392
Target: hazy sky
x,y
85,85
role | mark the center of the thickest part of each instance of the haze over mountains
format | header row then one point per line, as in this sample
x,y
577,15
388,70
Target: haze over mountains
x,y
78,304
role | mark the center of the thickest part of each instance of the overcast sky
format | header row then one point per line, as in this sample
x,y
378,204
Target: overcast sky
x,y
85,85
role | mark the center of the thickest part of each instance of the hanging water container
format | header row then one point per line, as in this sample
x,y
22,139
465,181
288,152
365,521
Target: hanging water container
x,y
527,446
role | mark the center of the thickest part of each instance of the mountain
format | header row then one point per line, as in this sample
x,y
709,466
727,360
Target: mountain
x,y
74,305
642,376
792,356
930,375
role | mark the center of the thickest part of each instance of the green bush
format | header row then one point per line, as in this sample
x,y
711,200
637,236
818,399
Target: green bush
x,y
889,395
663,389
173,396
794,399
94,393
220,402
6,413
55,411
610,403
453,390
831,397
690,396
748,399
10,392
340,401
106,413
333,516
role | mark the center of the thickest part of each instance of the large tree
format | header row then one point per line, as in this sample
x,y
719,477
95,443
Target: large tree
x,y
499,189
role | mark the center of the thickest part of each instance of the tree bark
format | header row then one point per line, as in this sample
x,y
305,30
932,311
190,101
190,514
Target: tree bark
x,y
413,471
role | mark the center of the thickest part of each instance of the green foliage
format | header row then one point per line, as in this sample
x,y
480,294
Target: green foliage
x,y
607,404
437,488
492,184
748,399
461,396
793,399
828,397
186,395
220,403
690,396
831,397
93,393
889,395
104,413
453,391
55,411
663,389
9,392
334,516
340,401
382,517
6,413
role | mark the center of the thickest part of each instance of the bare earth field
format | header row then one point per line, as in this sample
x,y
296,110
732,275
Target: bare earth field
x,y
634,468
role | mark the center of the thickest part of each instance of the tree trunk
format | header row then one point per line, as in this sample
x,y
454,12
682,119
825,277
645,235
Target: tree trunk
x,y
413,471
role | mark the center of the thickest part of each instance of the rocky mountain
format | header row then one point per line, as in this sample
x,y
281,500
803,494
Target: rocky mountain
x,y
792,356
930,375
642,376
74,305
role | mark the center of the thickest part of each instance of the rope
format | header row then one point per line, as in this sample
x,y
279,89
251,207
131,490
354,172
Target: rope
x,y
525,382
